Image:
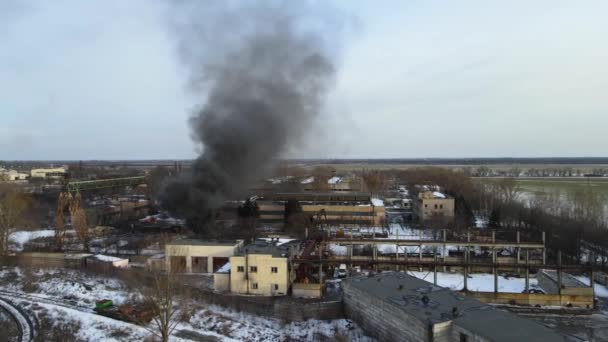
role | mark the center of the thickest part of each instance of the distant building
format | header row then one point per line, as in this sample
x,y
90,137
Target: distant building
x,y
199,256
394,306
433,204
46,173
260,268
13,175
335,208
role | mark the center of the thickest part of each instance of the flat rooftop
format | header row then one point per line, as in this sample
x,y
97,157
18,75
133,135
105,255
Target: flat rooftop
x,y
433,304
319,196
198,242
269,247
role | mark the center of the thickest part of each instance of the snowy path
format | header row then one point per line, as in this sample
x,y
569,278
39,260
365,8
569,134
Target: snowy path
x,y
25,326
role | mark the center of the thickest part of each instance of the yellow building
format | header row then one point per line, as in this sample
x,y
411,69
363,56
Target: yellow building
x,y
199,256
435,204
336,208
260,268
57,172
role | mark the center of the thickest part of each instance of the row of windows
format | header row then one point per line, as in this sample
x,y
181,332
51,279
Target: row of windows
x,y
440,206
254,286
254,269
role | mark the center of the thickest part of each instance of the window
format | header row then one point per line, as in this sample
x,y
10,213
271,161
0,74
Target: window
x,y
275,287
274,269
426,205
254,286
463,337
441,206
253,269
240,268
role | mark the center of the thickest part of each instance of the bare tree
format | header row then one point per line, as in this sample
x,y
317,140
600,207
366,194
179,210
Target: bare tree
x,y
167,299
374,181
13,204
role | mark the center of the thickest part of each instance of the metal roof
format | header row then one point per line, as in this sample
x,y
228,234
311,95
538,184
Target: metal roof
x,y
433,304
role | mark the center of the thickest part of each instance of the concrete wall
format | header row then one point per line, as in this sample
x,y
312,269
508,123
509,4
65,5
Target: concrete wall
x,y
456,331
283,308
430,207
244,281
531,299
383,320
301,290
442,331
189,251
221,282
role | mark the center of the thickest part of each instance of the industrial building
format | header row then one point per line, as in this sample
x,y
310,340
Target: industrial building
x,y
12,175
434,204
333,208
199,256
49,173
394,306
260,268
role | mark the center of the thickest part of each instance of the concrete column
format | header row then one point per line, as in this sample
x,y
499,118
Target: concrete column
x,y
495,270
420,257
527,270
405,257
444,249
188,264
210,264
435,267
591,284
466,268
559,272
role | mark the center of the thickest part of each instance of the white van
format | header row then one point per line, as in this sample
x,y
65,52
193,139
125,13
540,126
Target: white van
x,y
342,271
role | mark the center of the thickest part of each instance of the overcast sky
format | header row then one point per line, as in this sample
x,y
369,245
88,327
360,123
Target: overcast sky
x,y
101,80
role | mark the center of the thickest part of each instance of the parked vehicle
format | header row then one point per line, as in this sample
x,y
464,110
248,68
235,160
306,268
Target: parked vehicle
x,y
342,272
134,313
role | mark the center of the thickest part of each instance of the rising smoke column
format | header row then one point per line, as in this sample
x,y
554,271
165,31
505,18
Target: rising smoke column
x,y
263,71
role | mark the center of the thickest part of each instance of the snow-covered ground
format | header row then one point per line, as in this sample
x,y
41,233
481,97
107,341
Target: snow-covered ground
x,y
600,290
19,238
79,291
476,281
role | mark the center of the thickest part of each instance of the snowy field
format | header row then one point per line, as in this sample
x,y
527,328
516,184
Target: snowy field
x,y
19,238
64,300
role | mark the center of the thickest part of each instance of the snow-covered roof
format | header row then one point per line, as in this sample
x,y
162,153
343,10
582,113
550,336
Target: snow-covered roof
x,y
107,258
438,194
308,180
377,202
280,241
225,268
334,180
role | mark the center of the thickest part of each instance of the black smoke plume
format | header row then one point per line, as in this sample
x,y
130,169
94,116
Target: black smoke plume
x,y
264,71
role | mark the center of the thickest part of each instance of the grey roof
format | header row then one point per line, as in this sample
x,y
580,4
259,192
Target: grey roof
x,y
409,294
567,279
267,247
197,242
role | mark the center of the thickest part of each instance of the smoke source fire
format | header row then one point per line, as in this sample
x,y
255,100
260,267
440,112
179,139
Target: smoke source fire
x,y
263,71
